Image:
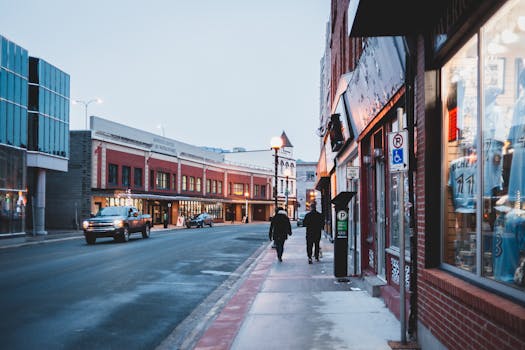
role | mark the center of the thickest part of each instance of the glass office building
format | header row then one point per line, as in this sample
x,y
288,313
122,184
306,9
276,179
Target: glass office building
x,y
34,135
13,136
48,109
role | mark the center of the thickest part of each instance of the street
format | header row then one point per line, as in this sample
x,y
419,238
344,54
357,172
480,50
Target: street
x,y
70,295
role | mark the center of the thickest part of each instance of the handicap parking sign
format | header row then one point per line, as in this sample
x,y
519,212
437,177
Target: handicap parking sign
x,y
398,151
397,156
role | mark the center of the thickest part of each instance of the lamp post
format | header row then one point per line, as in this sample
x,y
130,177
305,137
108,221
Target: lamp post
x,y
246,194
276,143
287,174
86,104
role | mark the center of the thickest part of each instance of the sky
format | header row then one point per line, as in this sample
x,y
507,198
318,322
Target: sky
x,y
217,73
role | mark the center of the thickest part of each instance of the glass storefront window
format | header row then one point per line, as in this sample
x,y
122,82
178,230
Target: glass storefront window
x,y
460,95
484,150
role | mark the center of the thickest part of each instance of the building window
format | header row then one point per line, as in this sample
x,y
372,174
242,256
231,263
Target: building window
x,y
113,174
281,186
192,184
310,176
238,189
263,191
214,188
184,183
152,179
163,180
126,174
256,190
137,177
219,187
199,185
483,152
208,186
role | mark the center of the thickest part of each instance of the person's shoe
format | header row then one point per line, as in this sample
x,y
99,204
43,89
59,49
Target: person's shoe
x,y
309,260
317,259
280,259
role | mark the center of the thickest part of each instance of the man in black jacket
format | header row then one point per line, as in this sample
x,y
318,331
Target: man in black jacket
x,y
314,223
280,229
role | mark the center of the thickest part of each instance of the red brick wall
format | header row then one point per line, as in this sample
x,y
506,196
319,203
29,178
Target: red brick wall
x,y
196,172
123,159
166,167
239,179
339,43
262,182
217,176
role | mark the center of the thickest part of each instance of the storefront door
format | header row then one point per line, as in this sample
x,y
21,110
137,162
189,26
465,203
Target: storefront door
x,y
380,217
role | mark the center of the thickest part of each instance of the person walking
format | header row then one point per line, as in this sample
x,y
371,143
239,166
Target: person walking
x,y
314,223
280,229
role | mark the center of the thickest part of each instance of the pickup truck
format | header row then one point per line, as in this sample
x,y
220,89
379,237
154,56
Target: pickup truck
x,y
117,222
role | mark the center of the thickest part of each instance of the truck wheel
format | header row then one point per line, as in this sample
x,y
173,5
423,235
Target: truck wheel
x,y
90,239
125,234
146,231
211,223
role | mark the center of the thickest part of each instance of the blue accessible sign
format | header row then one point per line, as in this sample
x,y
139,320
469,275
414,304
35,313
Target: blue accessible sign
x,y
398,151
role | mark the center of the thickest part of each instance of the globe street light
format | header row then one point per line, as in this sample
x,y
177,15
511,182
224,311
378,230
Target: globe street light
x,y
86,104
276,143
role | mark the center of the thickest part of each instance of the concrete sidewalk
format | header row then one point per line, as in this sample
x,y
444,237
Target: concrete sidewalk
x,y
295,305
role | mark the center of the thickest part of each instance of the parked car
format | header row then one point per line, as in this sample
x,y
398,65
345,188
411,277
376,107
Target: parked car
x,y
300,219
117,222
200,220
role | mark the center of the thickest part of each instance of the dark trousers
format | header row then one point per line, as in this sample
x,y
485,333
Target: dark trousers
x,y
279,247
310,243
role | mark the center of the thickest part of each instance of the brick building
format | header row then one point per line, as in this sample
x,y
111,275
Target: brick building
x,y
113,164
451,83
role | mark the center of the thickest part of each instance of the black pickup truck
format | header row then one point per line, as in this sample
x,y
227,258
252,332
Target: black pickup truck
x,y
117,222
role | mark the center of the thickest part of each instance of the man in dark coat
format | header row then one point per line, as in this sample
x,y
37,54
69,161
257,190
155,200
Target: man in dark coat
x,y
280,229
314,223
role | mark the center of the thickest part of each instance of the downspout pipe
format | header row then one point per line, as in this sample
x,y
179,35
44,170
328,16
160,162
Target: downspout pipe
x,y
410,49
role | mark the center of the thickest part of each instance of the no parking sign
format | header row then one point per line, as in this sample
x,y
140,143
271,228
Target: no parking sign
x,y
398,150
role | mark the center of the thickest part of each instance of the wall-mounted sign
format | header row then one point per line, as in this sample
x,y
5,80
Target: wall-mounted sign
x,y
352,172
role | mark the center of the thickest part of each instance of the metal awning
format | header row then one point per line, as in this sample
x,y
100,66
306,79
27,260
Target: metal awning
x,y
369,18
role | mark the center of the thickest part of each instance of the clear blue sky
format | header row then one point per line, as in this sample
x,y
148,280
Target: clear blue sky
x,y
220,73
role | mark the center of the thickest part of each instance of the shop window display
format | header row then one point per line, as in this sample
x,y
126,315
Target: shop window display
x,y
483,94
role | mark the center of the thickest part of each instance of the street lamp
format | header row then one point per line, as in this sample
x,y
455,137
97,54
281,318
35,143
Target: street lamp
x,y
86,104
287,173
276,143
246,195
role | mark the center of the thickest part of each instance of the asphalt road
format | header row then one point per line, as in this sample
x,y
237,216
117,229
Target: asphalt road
x,y
70,295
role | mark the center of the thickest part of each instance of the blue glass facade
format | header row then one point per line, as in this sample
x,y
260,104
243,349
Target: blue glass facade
x,y
13,94
48,108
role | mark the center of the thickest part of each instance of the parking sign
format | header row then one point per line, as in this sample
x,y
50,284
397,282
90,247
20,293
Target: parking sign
x,y
398,151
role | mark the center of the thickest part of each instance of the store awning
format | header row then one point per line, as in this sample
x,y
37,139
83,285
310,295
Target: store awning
x,y
379,75
322,171
369,18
